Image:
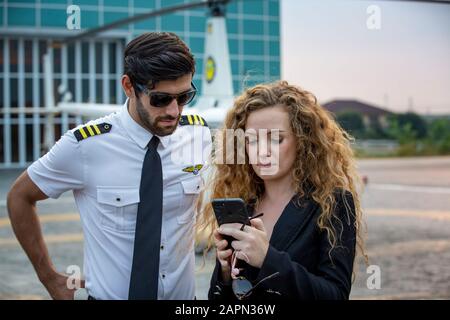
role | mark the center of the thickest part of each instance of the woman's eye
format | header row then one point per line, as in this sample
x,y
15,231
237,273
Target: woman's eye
x,y
280,140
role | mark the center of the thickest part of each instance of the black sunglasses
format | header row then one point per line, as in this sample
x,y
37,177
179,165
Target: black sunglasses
x,y
163,99
241,286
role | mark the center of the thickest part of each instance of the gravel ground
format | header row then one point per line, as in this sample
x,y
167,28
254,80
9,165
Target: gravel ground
x,y
407,208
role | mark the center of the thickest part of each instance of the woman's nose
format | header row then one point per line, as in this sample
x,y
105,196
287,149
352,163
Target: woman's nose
x,y
264,147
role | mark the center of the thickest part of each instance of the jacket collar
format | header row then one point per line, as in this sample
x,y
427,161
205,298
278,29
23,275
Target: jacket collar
x,y
291,222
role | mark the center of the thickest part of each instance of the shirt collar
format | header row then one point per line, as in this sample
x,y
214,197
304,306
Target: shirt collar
x,y
139,134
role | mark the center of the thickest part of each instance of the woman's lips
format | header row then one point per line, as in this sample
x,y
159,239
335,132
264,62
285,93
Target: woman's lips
x,y
264,165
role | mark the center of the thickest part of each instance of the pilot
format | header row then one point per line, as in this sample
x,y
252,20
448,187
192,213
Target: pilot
x,y
135,175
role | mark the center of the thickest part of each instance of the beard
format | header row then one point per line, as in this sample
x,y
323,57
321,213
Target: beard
x,y
151,124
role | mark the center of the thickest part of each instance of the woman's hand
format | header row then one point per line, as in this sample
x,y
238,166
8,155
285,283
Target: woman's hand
x,y
251,243
224,256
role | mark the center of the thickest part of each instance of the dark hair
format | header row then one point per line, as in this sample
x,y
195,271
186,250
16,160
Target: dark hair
x,y
157,56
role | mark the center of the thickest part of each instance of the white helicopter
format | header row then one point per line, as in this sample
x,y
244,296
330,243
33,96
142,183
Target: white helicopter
x,y
217,87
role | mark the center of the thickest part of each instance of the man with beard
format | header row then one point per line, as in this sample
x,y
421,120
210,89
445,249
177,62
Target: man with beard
x,y
135,179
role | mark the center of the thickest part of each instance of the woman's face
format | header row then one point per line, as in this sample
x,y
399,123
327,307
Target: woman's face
x,y
270,142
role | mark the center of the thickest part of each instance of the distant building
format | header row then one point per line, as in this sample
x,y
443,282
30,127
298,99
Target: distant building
x,y
370,113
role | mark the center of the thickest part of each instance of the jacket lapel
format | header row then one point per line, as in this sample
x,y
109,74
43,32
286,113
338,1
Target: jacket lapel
x,y
291,222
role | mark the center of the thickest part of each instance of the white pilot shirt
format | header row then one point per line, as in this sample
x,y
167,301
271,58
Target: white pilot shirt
x,y
104,172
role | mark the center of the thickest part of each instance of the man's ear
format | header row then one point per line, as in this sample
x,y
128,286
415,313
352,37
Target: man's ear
x,y
127,86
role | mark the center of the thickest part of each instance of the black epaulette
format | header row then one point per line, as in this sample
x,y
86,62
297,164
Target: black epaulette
x,y
92,130
192,119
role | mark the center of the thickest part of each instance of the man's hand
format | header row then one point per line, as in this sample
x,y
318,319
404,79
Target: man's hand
x,y
58,287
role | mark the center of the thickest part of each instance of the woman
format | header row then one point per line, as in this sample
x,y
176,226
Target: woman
x,y
304,183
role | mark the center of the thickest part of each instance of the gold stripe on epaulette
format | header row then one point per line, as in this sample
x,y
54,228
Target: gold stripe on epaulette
x,y
90,131
83,133
97,129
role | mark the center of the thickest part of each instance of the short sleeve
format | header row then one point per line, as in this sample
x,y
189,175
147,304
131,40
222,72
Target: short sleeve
x,y
207,143
61,169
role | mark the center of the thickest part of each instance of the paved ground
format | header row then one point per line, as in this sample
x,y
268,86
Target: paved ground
x,y
407,209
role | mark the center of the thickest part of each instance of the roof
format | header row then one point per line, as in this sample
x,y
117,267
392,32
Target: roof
x,y
337,106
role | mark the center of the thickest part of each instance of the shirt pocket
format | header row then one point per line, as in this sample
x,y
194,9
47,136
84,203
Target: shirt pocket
x,y
191,189
118,207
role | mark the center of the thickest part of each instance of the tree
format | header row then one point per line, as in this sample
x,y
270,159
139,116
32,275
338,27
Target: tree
x,y
404,134
352,122
417,123
439,135
375,130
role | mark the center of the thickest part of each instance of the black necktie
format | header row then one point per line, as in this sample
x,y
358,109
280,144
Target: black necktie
x,y
147,239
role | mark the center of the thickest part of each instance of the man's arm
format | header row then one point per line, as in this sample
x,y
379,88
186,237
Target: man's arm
x,y
21,203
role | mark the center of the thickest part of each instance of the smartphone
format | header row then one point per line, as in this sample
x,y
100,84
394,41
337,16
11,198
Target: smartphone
x,y
230,210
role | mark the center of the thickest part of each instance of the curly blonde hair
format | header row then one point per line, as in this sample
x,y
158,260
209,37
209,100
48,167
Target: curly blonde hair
x,y
324,161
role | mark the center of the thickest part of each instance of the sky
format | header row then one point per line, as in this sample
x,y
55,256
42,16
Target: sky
x,y
402,65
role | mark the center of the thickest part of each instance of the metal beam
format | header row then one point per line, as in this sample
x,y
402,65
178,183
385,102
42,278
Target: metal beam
x,y
143,16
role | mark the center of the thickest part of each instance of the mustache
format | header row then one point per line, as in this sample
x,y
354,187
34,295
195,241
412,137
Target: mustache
x,y
166,118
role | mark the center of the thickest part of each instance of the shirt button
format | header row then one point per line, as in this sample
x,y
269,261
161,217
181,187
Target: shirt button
x,y
118,199
162,247
163,276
